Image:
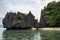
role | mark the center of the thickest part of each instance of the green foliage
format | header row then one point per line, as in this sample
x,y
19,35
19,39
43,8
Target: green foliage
x,y
20,17
52,13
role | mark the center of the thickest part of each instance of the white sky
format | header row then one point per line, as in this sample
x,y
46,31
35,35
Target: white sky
x,y
24,6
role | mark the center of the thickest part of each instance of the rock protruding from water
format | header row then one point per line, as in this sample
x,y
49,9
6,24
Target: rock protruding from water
x,y
42,22
9,20
19,20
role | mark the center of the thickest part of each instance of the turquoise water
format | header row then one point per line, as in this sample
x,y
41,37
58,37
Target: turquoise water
x,y
29,34
20,35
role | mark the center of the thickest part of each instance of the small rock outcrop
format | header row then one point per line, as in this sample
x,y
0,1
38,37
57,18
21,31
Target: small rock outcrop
x,y
42,22
19,20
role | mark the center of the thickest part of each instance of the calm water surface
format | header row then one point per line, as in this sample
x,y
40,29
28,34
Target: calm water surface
x,y
29,34
19,34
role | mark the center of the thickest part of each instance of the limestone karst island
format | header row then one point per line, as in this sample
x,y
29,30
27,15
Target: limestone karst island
x,y
21,21
50,17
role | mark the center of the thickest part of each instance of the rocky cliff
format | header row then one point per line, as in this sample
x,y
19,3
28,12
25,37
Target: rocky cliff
x,y
51,15
19,20
42,22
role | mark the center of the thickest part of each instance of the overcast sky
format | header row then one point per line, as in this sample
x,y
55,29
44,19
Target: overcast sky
x,y
24,6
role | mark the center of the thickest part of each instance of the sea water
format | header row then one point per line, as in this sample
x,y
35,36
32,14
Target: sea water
x,y
29,34
19,34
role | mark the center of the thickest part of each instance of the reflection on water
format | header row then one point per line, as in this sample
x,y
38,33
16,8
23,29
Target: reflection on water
x,y
37,36
21,35
1,32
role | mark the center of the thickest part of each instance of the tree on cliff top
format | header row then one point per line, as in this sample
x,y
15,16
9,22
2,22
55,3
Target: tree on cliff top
x,y
52,14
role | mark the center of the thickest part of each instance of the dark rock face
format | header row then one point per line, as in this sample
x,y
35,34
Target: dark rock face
x,y
36,24
9,20
28,21
42,22
19,20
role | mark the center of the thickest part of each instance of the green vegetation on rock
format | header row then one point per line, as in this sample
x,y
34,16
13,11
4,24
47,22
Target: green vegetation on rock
x,y
52,14
21,17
